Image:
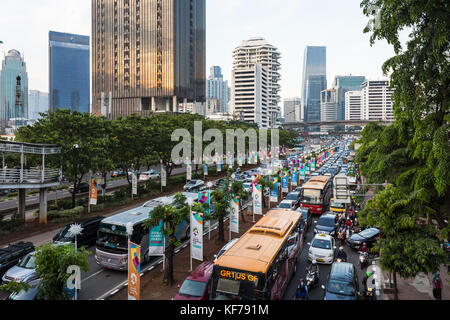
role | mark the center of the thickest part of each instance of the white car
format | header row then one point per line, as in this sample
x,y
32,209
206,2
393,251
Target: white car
x,y
225,248
322,249
287,204
149,175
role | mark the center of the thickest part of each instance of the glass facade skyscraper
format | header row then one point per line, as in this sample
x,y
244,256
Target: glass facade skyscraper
x,y
314,81
69,63
343,84
13,88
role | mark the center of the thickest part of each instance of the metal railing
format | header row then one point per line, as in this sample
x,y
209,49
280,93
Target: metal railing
x,y
11,176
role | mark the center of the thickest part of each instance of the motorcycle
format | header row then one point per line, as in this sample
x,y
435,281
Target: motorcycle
x,y
312,279
370,294
363,259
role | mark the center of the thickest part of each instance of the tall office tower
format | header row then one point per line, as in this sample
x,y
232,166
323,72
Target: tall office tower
x,y
343,84
314,81
328,108
259,51
69,64
150,54
13,88
37,103
217,92
353,105
376,101
249,95
292,110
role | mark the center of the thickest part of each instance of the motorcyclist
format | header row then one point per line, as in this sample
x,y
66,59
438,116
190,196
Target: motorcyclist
x,y
364,248
365,279
341,254
313,267
348,222
302,291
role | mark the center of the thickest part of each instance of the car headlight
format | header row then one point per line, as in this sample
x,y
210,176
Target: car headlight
x,y
123,261
330,255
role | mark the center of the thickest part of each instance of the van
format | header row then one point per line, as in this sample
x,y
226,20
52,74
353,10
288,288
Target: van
x,y
342,282
88,236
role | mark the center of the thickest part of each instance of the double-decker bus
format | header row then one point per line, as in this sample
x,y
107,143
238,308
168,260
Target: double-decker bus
x,y
261,263
316,194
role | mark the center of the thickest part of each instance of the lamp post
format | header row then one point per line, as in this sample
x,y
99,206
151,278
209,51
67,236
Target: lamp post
x,y
76,229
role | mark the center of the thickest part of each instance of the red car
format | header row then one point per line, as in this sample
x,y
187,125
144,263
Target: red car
x,y
196,285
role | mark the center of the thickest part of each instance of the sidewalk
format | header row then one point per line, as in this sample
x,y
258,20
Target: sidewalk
x,y
418,288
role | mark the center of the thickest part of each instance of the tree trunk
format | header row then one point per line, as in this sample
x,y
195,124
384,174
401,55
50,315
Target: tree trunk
x,y
242,211
395,286
168,276
221,230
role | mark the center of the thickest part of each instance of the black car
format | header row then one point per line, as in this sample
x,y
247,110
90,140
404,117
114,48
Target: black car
x,y
88,236
369,236
11,255
82,188
306,217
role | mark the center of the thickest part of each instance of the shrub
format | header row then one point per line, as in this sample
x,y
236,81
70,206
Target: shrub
x,y
7,226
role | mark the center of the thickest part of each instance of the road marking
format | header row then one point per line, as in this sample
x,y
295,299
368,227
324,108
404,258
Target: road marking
x,y
92,275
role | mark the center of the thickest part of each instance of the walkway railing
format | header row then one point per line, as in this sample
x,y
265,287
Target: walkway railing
x,y
37,176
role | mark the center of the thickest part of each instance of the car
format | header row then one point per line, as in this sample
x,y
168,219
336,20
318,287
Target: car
x,y
294,196
322,249
306,217
370,236
220,183
24,271
118,173
298,189
149,175
287,204
194,185
326,224
87,237
82,188
196,285
342,282
247,186
30,294
10,255
225,248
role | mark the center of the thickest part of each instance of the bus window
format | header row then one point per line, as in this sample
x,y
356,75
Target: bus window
x,y
228,286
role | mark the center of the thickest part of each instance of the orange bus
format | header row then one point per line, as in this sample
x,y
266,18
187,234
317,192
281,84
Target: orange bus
x,y
316,194
261,263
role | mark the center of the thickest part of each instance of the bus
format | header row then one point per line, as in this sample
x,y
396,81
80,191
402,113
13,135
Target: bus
x,y
316,194
261,263
112,248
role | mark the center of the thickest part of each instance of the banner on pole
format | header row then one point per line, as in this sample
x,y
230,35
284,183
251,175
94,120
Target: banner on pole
x,y
197,235
274,192
219,166
156,238
134,271
206,169
134,183
294,177
257,199
189,172
234,216
284,181
94,188
163,176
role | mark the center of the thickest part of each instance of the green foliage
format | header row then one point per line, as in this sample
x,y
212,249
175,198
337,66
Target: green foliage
x,y
51,265
63,215
7,226
15,287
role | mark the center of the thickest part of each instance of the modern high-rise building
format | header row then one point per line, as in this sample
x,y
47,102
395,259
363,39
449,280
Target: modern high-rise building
x,y
343,84
314,81
353,105
37,103
69,70
292,111
150,54
249,95
328,108
217,91
13,88
376,101
259,51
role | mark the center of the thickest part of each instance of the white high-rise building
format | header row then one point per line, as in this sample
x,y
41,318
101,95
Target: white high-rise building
x,y
258,51
376,101
292,111
353,105
328,108
249,95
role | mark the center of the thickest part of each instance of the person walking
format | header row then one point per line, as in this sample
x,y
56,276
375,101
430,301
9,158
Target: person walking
x,y
437,286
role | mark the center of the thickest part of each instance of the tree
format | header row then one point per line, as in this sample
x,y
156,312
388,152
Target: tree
x,y
52,262
15,287
172,215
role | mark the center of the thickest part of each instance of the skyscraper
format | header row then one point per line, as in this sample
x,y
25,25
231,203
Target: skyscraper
x,y
353,105
343,84
37,103
314,81
328,107
292,110
217,91
376,101
69,64
150,54
259,51
13,88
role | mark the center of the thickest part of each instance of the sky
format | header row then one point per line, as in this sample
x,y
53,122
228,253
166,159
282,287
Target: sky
x,y
289,25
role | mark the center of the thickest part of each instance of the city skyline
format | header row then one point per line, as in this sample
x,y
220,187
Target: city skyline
x,y
228,23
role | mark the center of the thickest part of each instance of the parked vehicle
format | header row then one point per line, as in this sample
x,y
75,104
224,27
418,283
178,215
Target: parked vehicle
x,y
197,284
10,255
194,185
24,271
87,237
82,188
342,283
149,175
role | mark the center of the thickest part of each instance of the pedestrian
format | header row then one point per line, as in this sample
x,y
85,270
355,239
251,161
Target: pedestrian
x,y
437,286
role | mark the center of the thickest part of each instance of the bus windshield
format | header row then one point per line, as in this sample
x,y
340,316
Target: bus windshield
x,y
311,196
112,241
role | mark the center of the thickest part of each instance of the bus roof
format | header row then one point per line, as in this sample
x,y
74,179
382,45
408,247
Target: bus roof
x,y
259,246
316,182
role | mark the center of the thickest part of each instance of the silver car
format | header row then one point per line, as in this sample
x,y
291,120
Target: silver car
x,y
24,271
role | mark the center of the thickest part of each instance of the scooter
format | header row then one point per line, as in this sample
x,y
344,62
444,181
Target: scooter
x,y
363,259
312,278
370,294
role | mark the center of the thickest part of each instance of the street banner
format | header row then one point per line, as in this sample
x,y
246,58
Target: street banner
x,y
240,161
205,197
163,176
313,165
257,199
197,235
94,188
206,169
294,178
189,172
302,172
156,238
284,181
234,216
219,166
308,168
134,183
134,271
274,192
